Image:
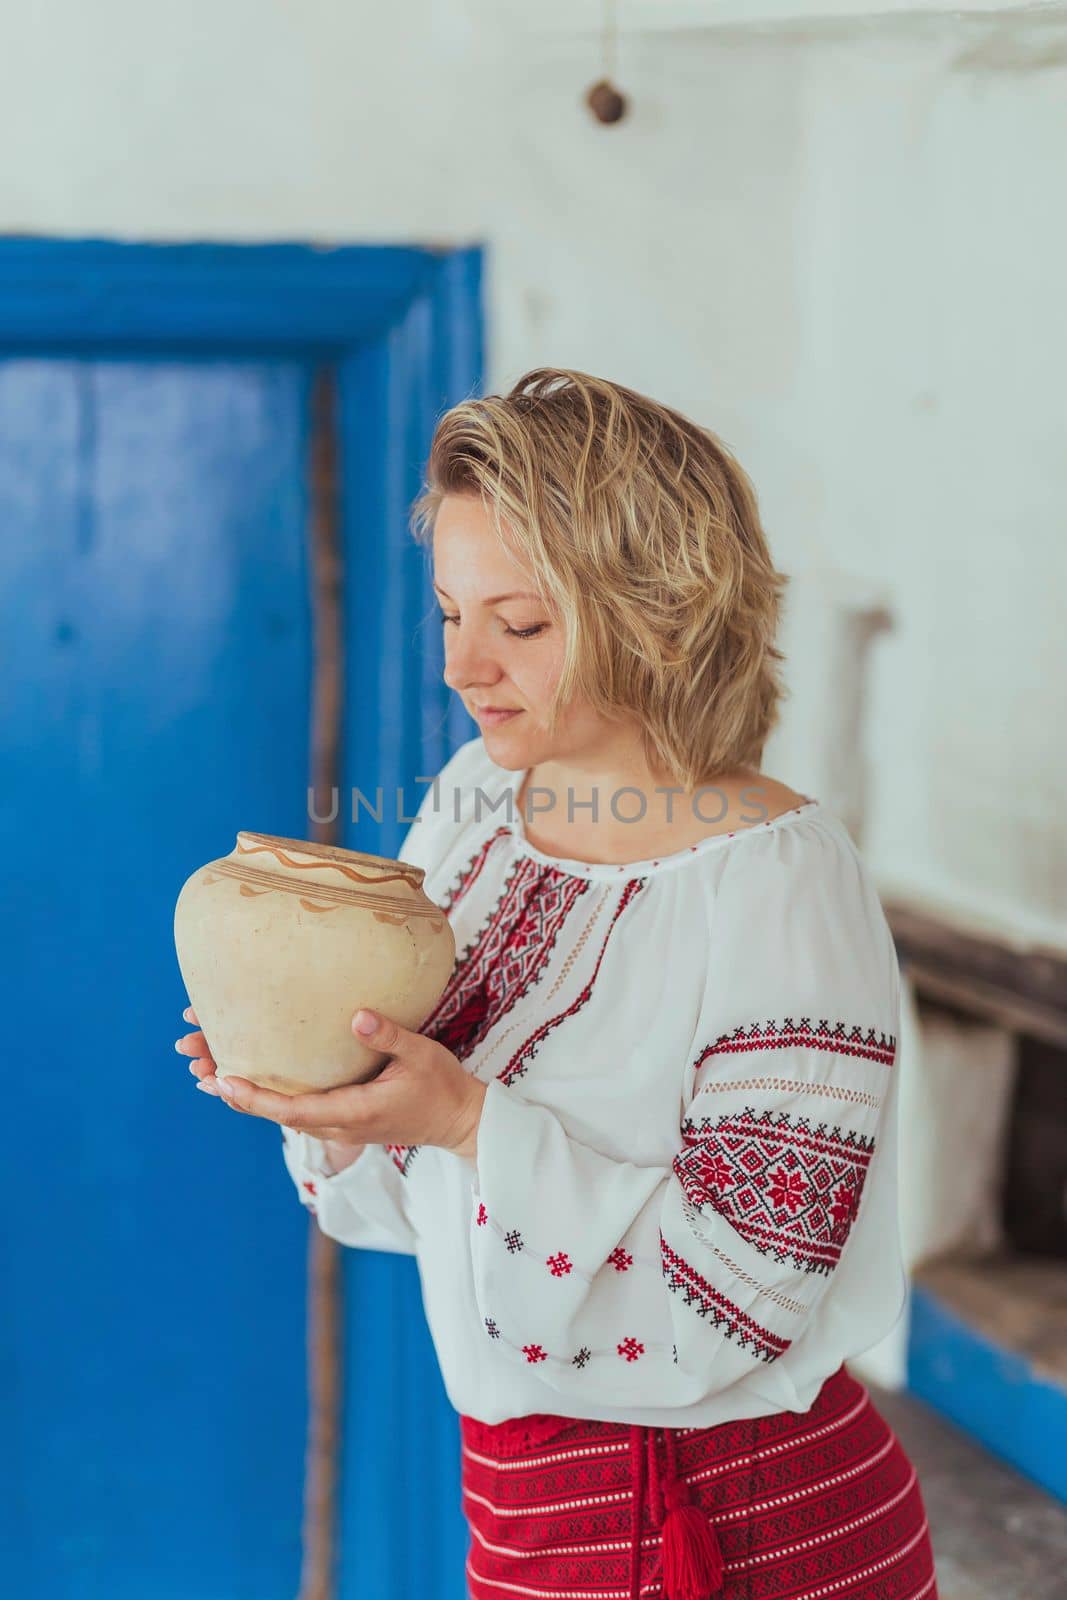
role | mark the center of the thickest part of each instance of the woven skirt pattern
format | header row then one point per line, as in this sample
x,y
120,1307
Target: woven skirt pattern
x,y
815,1505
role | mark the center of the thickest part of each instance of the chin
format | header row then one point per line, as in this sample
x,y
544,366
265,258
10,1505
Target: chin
x,y
505,752
508,749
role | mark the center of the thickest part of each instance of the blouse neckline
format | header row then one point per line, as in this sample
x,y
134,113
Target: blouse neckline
x,y
515,825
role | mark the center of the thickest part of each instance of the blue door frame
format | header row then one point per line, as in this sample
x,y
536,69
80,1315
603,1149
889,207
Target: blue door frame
x,y
404,329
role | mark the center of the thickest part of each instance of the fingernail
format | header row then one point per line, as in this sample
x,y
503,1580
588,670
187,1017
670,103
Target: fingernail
x,y
366,1022
207,1085
225,1087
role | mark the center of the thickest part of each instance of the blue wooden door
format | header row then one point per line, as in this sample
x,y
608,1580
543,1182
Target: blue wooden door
x,y
155,665
154,630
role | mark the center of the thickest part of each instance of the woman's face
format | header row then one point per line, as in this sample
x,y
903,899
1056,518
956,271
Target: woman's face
x,y
503,648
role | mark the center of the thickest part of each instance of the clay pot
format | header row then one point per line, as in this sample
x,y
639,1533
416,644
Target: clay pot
x,y
281,941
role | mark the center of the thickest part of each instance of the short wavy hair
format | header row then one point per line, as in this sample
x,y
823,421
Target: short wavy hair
x,y
644,538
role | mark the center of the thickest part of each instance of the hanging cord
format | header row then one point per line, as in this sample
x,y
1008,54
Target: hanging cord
x,y
637,1506
610,39
655,1483
692,1559
605,101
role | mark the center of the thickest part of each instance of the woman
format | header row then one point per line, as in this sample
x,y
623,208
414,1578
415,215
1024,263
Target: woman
x,y
644,1149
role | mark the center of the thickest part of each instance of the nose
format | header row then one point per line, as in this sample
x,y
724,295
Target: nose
x,y
467,663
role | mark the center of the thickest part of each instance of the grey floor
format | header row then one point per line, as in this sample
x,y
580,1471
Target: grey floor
x,y
996,1536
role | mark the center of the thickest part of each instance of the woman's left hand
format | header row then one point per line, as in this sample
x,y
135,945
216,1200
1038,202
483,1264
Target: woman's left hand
x,y
424,1095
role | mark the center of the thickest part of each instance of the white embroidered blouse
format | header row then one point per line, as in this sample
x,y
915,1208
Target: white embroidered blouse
x,y
684,1207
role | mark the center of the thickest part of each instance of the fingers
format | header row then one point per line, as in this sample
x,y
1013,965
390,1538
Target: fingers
x,y
382,1033
326,1113
192,1044
347,1114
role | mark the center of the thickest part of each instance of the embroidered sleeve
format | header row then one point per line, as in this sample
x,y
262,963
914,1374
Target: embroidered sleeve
x,y
364,1204
667,1283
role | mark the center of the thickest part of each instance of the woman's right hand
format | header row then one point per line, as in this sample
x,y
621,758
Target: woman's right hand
x,y
195,1045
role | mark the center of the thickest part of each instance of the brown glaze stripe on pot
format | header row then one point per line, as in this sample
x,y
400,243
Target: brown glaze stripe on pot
x,y
319,856
396,907
323,891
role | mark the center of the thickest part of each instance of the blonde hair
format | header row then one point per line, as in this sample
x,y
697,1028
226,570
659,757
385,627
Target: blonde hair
x,y
644,539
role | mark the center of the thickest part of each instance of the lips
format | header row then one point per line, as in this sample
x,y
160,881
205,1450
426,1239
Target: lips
x,y
491,715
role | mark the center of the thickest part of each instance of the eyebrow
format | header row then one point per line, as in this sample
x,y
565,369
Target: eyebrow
x,y
495,600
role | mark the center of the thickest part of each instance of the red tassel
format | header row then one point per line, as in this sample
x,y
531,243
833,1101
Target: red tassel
x,y
692,1559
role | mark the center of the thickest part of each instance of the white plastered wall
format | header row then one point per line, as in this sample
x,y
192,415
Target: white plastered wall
x,y
841,246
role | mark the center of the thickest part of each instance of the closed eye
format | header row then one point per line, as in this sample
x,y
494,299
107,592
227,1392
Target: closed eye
x,y
516,633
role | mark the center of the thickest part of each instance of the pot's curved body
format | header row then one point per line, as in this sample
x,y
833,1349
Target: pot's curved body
x,y
281,941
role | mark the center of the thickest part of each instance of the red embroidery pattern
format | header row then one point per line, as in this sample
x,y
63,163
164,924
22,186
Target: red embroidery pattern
x,y
402,1156
725,1316
824,1504
790,1190
468,874
838,1037
528,1050
310,1187
504,959
560,1265
628,1349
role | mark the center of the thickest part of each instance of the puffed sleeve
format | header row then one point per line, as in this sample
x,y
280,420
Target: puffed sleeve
x,y
365,1204
668,1283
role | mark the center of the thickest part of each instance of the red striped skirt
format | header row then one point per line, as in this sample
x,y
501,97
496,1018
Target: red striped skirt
x,y
814,1505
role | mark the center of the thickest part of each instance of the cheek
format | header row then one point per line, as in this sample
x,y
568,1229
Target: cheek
x,y
538,671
